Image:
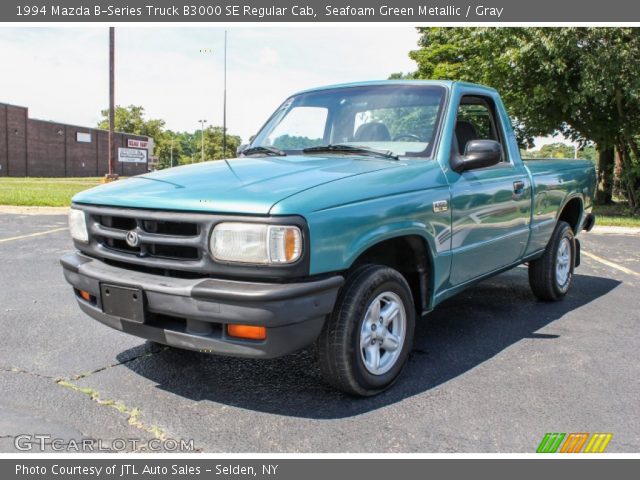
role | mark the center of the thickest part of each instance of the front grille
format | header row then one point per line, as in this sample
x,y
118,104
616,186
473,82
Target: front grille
x,y
164,241
176,252
157,238
184,229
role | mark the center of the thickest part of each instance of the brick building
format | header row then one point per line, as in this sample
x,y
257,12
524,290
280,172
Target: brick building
x,y
38,148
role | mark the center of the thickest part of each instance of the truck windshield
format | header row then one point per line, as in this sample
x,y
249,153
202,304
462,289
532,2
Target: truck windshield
x,y
401,119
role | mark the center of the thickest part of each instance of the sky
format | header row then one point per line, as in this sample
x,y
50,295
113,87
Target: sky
x,y
176,74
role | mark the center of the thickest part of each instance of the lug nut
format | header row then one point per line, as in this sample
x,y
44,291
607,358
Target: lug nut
x,y
373,327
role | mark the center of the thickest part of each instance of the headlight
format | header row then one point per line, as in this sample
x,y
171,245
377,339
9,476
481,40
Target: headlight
x,y
256,243
78,226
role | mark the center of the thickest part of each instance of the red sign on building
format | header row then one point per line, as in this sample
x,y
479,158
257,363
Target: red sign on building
x,y
131,143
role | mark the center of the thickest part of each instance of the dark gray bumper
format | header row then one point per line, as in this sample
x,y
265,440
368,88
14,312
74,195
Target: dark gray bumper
x,y
192,313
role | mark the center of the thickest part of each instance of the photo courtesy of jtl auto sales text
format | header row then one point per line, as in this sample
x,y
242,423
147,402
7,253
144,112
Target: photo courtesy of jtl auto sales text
x,y
319,239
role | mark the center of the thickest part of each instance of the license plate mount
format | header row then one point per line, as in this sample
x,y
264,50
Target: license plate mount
x,y
127,303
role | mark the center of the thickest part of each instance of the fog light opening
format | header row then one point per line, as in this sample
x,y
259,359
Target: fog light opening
x,y
247,332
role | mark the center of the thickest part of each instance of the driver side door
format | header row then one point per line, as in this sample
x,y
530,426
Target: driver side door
x,y
490,207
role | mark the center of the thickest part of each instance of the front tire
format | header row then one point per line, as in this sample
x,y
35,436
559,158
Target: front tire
x,y
366,341
550,275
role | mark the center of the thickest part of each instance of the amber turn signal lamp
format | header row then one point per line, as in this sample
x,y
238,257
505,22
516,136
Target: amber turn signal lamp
x,y
292,244
85,295
250,332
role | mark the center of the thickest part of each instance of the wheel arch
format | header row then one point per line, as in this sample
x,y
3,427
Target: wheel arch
x,y
571,212
411,255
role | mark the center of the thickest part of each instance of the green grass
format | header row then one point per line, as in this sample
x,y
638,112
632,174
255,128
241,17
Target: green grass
x,y
615,215
42,192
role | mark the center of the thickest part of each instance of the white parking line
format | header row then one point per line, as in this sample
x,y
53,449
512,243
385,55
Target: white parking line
x,y
37,234
611,264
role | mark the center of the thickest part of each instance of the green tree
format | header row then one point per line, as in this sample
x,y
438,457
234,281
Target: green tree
x,y
213,144
561,150
184,147
131,120
557,150
191,145
589,153
168,149
293,142
581,82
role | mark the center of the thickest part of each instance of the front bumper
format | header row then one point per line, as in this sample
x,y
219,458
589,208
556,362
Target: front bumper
x,y
192,313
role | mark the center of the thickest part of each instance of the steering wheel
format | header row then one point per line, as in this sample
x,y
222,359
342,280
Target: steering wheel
x,y
407,135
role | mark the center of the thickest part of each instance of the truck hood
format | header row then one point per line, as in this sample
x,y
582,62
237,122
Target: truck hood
x,y
242,185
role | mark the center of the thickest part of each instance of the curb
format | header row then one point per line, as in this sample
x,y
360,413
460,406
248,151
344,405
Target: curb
x,y
605,230
15,210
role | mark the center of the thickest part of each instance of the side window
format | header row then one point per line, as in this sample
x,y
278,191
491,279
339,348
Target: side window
x,y
476,120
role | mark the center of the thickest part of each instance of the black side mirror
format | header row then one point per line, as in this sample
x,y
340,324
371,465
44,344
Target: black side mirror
x,y
241,149
477,154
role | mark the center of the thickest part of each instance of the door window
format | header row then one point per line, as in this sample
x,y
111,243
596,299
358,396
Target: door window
x,y
476,120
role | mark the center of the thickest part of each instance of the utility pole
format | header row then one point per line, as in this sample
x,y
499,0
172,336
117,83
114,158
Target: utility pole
x,y
202,122
224,102
112,175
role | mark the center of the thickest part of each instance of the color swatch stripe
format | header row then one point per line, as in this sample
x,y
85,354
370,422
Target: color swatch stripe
x,y
574,442
598,443
550,443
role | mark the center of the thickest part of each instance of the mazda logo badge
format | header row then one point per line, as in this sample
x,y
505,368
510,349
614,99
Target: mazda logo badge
x,y
133,240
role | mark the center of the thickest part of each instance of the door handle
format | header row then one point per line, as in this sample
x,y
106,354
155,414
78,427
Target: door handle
x,y
518,187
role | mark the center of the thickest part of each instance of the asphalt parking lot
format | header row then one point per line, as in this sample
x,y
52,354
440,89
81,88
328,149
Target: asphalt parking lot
x,y
492,370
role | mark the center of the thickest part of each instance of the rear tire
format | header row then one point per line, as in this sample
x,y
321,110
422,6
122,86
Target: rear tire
x,y
366,341
550,275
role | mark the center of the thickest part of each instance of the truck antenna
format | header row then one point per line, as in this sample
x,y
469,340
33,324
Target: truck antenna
x,y
224,102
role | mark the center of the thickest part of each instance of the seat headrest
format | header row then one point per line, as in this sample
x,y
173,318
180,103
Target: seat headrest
x,y
465,132
372,132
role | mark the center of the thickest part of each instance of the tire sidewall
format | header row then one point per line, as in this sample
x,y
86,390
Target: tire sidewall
x,y
386,280
564,232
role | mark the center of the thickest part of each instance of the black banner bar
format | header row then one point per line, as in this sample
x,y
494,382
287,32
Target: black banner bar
x,y
316,469
413,11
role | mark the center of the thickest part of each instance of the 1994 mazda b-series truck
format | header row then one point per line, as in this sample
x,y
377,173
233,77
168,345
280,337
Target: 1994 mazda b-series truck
x,y
353,212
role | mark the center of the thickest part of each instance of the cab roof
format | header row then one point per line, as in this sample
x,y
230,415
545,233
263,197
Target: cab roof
x,y
448,84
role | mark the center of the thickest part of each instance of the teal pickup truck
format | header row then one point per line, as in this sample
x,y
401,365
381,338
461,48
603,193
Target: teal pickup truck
x,y
353,212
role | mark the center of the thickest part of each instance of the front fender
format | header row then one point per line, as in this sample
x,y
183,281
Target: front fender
x,y
340,235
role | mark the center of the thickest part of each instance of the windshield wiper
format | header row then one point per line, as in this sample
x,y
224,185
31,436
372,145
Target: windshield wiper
x,y
264,150
339,148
